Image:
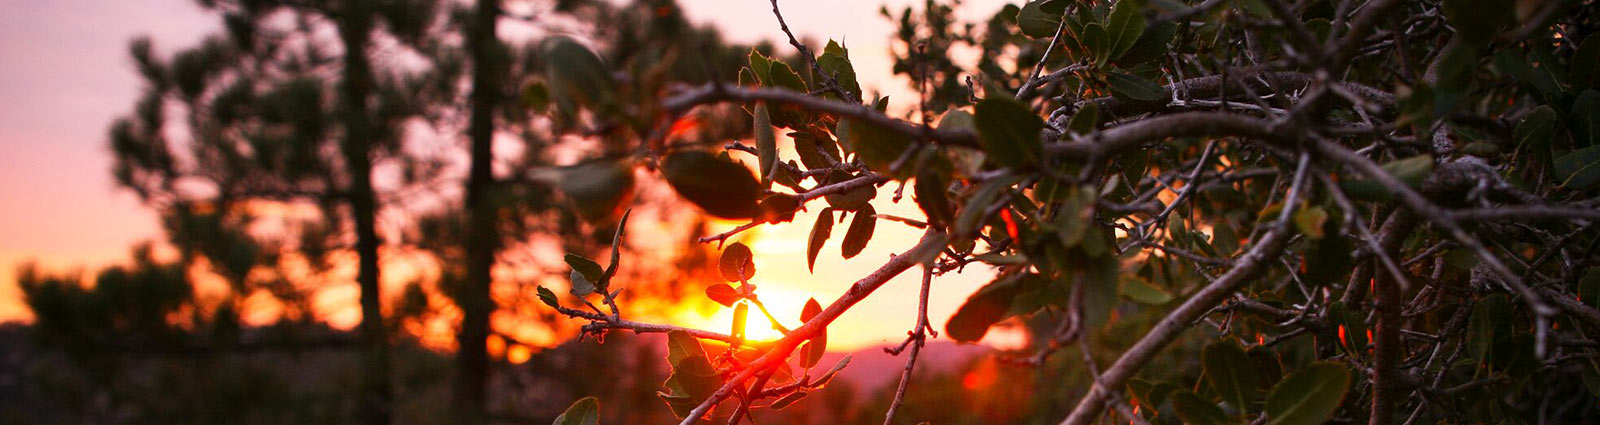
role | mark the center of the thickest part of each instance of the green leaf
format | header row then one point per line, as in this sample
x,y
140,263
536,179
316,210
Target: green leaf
x,y
989,305
721,187
1076,216
975,212
819,236
1311,221
548,297
766,144
1308,396
1411,171
1195,410
1134,88
1136,289
860,232
1536,128
737,263
835,61
875,146
1579,169
585,411
723,294
1037,23
1151,45
1124,26
1009,131
1096,43
1231,374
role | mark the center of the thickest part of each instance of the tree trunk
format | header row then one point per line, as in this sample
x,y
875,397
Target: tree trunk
x,y
355,27
472,357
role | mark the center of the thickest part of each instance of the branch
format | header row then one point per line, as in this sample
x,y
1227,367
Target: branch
x,y
918,336
931,240
1238,82
718,92
1248,266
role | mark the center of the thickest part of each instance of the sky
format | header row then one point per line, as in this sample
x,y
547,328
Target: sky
x,y
65,74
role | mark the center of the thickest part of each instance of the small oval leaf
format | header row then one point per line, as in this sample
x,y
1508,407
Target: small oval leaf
x,y
737,263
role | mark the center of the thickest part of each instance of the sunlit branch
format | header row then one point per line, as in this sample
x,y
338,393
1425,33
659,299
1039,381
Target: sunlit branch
x,y
919,335
931,240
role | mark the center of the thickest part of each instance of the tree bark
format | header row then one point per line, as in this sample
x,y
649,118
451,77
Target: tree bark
x,y
472,358
355,28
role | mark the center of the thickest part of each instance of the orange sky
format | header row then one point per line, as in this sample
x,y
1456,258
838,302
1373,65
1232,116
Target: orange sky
x,y
65,74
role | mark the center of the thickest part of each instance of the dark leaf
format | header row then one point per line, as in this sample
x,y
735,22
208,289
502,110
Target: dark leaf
x,y
860,232
1009,131
1231,374
989,305
1036,22
1308,396
1135,88
737,263
721,187
819,236
1124,26
851,200
548,297
1195,410
930,194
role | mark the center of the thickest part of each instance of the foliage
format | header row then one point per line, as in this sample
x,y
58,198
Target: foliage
x,y
1374,211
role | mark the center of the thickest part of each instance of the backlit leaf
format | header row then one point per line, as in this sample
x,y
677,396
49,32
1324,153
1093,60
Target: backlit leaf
x,y
721,187
585,411
766,144
737,263
819,236
722,294
860,232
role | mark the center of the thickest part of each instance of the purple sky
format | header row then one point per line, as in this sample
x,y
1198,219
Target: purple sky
x,y
65,75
